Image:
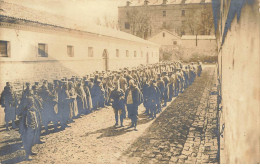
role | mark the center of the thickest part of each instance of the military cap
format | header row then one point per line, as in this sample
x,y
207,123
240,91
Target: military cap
x,y
27,84
164,72
36,83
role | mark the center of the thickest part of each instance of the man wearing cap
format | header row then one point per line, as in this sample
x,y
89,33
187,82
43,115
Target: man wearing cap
x,y
88,97
8,100
133,98
96,94
161,86
117,99
153,98
145,91
30,124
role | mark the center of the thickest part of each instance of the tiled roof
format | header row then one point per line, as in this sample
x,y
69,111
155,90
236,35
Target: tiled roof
x,y
19,12
159,2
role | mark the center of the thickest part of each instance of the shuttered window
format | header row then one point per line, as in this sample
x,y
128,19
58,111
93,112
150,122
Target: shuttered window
x,y
90,52
5,49
70,51
42,50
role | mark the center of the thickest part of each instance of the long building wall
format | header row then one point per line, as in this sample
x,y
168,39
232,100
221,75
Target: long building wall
x,y
239,69
24,64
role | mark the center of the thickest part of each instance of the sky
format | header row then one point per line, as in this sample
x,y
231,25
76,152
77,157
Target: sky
x,y
80,10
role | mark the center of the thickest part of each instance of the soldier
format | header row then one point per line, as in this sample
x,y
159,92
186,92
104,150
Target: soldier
x,y
46,113
171,86
145,92
199,68
161,86
64,105
9,102
123,82
81,99
133,98
73,103
88,97
165,79
30,124
117,98
153,98
96,94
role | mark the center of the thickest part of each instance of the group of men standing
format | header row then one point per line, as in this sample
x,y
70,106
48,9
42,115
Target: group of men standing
x,y
63,100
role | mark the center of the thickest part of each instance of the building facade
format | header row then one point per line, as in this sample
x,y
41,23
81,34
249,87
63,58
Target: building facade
x,y
145,18
33,48
186,46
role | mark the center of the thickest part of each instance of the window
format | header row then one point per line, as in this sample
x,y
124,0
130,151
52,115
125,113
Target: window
x,y
70,51
164,24
163,34
175,42
42,50
127,25
4,49
117,52
183,12
90,52
164,13
127,53
134,53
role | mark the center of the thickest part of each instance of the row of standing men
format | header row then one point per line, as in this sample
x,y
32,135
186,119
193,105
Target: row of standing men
x,y
63,100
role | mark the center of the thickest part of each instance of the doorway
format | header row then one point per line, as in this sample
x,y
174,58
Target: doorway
x,y
105,59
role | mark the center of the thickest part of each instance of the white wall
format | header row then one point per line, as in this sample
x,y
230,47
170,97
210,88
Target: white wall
x,y
25,66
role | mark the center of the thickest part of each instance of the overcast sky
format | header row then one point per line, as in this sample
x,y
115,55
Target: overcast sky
x,y
76,9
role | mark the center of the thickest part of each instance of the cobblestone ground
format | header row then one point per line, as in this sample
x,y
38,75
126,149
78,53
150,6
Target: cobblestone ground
x,y
185,132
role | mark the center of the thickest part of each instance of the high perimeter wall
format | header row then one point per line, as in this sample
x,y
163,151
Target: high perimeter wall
x,y
239,69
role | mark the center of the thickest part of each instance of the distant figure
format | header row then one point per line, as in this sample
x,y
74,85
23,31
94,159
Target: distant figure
x,y
8,100
199,68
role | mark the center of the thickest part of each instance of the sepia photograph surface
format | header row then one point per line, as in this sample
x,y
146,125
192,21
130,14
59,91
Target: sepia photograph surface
x,y
129,82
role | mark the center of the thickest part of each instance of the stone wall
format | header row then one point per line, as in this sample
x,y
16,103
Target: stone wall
x,y
239,69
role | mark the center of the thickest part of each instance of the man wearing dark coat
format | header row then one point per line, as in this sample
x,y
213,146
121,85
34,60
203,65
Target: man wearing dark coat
x,y
133,98
117,99
30,124
153,98
8,100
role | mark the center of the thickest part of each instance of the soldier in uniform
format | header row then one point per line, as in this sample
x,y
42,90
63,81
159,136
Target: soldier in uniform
x,y
30,124
88,97
199,69
161,86
117,99
165,79
133,98
145,92
64,105
9,102
153,98
73,103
